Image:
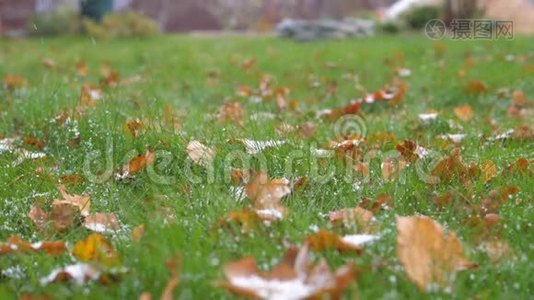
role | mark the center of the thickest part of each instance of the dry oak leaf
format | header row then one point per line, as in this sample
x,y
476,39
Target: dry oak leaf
x,y
200,154
83,203
102,222
430,255
266,194
15,244
95,248
464,112
296,277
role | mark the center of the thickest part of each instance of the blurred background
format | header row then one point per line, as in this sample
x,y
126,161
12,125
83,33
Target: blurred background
x,y
19,18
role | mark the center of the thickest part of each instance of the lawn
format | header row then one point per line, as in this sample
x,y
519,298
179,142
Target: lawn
x,y
170,91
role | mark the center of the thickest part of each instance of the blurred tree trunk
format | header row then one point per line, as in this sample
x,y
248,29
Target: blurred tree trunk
x,y
460,9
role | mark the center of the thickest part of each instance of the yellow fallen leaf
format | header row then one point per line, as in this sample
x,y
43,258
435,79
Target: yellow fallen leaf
x,y
489,170
95,248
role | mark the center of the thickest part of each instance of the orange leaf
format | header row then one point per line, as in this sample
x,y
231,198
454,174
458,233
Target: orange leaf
x,y
324,240
15,244
464,112
429,254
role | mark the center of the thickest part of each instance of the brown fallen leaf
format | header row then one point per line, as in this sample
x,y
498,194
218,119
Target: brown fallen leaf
x,y
324,240
476,87
15,244
266,194
38,216
352,216
231,112
200,154
63,215
136,165
133,127
430,255
464,112
102,222
82,203
95,248
296,277
81,68
90,95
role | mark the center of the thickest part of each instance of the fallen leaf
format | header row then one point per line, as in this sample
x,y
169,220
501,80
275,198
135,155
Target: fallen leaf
x,y
200,154
430,255
136,165
83,203
38,216
464,112
78,273
95,248
489,170
133,127
12,81
294,278
90,95
231,112
81,68
352,216
477,87
102,222
324,240
15,244
63,215
264,191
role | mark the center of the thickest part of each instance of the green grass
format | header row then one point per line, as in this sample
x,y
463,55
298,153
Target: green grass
x,y
175,71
